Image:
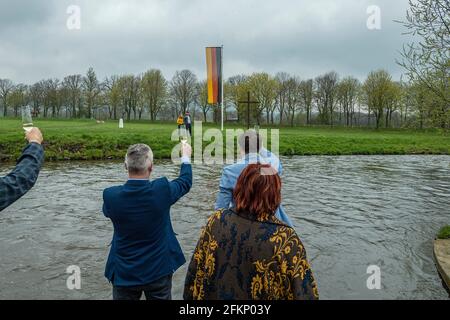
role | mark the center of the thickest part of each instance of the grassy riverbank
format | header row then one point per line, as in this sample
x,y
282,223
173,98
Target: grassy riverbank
x,y
444,232
86,140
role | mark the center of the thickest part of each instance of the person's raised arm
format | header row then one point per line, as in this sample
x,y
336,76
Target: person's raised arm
x,y
181,185
25,174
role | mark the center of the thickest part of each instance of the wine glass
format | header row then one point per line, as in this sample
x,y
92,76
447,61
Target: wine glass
x,y
27,120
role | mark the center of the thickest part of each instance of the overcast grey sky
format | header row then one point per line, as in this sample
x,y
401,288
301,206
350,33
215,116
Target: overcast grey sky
x,y
302,37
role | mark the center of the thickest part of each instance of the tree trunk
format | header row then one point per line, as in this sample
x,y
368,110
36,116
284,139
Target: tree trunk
x,y
281,116
74,109
406,112
5,107
377,119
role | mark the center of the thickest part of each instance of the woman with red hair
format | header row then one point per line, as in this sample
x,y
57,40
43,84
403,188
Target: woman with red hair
x,y
246,252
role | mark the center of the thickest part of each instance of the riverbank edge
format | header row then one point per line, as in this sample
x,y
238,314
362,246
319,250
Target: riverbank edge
x,y
7,159
59,152
441,254
86,140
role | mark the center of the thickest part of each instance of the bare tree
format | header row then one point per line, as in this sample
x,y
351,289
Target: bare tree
x,y
184,90
37,97
293,100
347,91
50,99
428,60
17,98
282,78
111,93
154,91
264,88
129,94
306,95
6,86
406,101
325,96
376,88
91,90
393,100
236,90
73,83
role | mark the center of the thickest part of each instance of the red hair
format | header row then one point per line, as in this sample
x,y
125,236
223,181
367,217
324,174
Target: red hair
x,y
258,190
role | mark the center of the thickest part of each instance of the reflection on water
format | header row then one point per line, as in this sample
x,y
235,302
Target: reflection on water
x,y
350,212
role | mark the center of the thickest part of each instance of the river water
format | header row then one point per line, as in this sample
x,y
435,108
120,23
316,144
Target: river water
x,y
350,212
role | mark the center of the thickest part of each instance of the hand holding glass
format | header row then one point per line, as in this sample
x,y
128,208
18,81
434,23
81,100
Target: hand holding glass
x,y
27,120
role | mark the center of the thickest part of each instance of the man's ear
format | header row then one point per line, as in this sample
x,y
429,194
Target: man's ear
x,y
125,165
150,169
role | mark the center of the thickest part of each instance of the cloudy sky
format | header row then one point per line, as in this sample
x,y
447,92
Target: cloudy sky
x,y
303,37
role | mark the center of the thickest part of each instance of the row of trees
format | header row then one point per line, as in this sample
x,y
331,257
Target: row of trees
x,y
427,60
78,96
423,100
283,99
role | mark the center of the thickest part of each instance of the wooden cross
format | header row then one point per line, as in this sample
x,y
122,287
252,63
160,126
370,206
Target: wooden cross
x,y
248,102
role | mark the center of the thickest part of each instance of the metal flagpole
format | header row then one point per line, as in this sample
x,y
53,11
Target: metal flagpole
x,y
221,69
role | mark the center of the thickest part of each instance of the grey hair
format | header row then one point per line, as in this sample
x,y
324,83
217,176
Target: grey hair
x,y
139,158
250,141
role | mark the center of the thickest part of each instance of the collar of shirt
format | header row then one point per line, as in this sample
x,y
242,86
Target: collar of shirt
x,y
251,158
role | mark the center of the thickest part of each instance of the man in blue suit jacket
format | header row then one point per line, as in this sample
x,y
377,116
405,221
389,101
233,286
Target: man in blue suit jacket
x,y
144,250
26,172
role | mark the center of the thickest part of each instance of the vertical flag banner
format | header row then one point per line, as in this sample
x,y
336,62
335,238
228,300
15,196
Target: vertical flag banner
x,y
214,72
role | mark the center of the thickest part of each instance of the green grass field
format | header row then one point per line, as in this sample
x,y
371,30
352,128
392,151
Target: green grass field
x,y
444,232
87,140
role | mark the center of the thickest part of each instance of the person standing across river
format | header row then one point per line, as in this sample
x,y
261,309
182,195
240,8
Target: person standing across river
x,y
187,122
180,122
26,172
144,250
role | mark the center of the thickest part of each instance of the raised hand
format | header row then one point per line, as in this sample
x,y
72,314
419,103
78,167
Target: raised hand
x,y
34,135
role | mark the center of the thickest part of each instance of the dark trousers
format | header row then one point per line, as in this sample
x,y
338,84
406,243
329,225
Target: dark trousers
x,y
160,289
188,128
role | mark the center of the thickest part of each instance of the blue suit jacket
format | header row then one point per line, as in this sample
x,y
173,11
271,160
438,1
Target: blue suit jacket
x,y
144,247
231,174
23,177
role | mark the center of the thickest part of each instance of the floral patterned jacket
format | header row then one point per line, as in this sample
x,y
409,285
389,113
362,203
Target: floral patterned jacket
x,y
239,257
